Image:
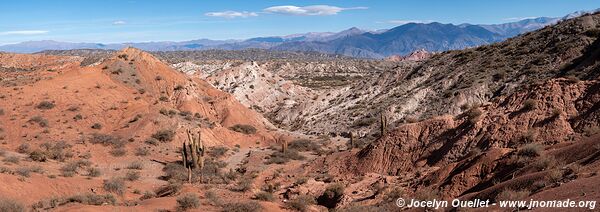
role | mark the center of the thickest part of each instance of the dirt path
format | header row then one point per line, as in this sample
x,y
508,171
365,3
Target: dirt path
x,y
236,159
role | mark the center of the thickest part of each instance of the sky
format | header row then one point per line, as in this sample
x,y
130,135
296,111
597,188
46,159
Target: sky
x,y
117,21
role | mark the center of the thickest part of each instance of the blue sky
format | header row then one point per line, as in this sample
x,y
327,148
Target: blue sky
x,y
110,21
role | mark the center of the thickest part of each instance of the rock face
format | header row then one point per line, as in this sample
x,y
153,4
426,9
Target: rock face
x,y
418,55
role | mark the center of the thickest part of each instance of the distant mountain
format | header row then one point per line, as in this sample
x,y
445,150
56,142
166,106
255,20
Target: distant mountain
x,y
354,42
401,40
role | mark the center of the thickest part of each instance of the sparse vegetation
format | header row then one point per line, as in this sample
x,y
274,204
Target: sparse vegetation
x,y
249,206
243,128
97,126
94,172
530,150
45,105
302,202
188,201
11,159
284,157
9,205
114,185
264,196
135,165
118,152
164,135
132,175
140,151
42,122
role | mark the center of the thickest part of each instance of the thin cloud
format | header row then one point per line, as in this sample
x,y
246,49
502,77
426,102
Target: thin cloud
x,y
519,18
312,10
24,32
232,14
119,22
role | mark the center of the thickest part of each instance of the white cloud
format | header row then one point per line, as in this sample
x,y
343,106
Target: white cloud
x,y
311,10
232,14
402,22
518,18
24,32
119,22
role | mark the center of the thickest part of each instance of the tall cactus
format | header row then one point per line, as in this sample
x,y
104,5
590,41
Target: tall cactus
x,y
384,124
196,148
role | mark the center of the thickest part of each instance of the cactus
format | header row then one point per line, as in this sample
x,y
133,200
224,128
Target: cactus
x,y
196,148
384,124
184,155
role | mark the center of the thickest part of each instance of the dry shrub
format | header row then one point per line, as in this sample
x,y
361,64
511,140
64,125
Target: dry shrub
x,y
188,201
243,128
114,185
264,196
249,206
164,135
10,205
529,104
302,202
132,175
531,150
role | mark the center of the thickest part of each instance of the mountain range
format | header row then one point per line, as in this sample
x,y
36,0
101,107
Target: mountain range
x,y
354,42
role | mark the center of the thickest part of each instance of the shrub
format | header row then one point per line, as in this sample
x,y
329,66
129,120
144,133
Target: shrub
x,y
282,158
23,171
97,126
69,169
304,145
12,159
151,141
132,175
107,140
45,105
148,195
243,185
302,202
529,137
474,114
242,207
164,135
38,155
530,150
135,165
92,199
554,176
529,105
42,122
218,151
545,163
23,148
94,172
114,185
188,201
9,205
264,196
213,198
118,152
243,128
511,195
140,151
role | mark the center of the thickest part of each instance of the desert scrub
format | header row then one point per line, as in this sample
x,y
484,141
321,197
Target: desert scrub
x,y
132,175
264,196
45,105
302,202
41,121
243,128
10,205
531,150
284,157
94,172
529,105
164,135
114,185
250,206
140,151
136,165
511,195
187,201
